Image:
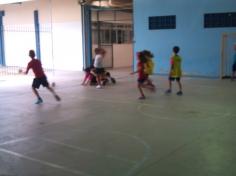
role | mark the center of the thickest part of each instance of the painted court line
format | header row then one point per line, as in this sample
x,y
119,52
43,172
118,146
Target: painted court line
x,y
147,154
14,141
140,170
45,163
206,113
90,151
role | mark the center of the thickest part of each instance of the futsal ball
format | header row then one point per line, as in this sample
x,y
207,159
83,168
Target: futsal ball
x,y
53,84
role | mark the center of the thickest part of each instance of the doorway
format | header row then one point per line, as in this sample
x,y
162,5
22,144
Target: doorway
x,y
111,29
227,53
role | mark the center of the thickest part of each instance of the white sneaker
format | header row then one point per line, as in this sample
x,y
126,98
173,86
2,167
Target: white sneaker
x,y
98,87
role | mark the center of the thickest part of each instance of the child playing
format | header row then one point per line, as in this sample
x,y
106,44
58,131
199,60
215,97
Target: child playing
x,y
98,65
40,77
88,76
148,68
142,77
175,71
234,65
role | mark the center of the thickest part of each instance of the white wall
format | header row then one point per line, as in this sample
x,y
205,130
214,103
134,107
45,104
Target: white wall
x,y
123,55
60,33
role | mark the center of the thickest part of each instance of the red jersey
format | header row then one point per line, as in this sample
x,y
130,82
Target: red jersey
x,y
141,74
36,66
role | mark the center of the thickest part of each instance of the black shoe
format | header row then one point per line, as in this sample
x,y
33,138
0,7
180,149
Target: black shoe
x,y
113,80
179,93
168,91
57,98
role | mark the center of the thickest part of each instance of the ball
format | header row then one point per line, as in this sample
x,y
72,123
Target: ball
x,y
20,71
53,84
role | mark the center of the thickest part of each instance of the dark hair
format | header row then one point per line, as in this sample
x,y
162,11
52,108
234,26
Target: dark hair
x,y
108,74
142,57
97,50
176,49
148,53
31,53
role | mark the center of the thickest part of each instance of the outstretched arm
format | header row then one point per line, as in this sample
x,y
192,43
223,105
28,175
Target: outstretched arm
x,y
27,69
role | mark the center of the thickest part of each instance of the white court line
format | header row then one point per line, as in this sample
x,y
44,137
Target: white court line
x,y
139,108
89,151
122,102
14,141
178,148
45,163
146,155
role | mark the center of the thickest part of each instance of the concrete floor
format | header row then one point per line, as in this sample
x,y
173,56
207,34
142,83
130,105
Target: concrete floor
x,y
109,132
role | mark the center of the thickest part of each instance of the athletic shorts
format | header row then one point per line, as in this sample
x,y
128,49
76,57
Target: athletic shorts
x,y
141,80
174,78
234,67
99,71
40,81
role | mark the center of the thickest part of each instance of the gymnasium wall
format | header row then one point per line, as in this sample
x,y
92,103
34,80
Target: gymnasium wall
x,y
200,47
60,33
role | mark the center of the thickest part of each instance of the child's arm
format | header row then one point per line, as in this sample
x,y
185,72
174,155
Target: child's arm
x,y
171,66
27,69
134,72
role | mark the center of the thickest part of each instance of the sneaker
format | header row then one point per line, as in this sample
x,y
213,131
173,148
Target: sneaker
x,y
142,98
179,93
104,82
57,98
168,91
39,101
98,87
113,80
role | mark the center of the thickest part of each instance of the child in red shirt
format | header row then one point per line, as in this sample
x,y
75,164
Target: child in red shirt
x,y
40,77
142,77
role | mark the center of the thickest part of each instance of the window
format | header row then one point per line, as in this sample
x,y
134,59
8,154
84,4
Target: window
x,y
214,20
162,22
112,33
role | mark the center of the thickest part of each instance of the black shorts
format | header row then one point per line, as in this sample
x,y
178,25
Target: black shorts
x,y
234,67
38,81
174,78
99,71
142,80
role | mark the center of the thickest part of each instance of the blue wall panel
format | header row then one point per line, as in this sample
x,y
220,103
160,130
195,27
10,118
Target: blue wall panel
x,y
2,54
200,47
37,34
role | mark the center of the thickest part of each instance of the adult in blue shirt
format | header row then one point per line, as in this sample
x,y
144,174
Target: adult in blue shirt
x,y
234,64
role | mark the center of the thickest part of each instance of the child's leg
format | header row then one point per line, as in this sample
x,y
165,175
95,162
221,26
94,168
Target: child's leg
x,y
180,87
46,84
168,91
53,92
36,93
98,77
35,85
170,84
141,91
150,85
89,79
86,77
